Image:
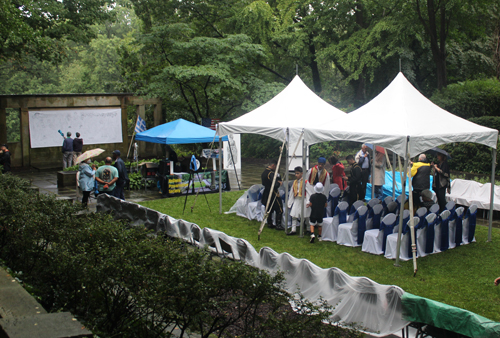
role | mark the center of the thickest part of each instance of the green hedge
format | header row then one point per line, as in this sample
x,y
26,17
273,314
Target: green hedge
x,y
122,281
470,98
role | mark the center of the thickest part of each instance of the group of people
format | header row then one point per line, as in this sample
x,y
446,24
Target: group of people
x,y
71,149
311,191
111,178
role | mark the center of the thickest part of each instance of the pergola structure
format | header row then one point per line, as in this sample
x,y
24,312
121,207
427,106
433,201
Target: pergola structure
x,y
22,155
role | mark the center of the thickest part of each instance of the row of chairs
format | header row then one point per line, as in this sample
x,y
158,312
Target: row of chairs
x,y
375,228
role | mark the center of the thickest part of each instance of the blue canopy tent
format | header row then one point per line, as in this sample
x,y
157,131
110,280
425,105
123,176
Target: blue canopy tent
x,y
179,132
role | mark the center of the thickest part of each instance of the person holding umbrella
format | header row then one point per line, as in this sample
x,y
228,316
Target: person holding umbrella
x,y
441,181
86,179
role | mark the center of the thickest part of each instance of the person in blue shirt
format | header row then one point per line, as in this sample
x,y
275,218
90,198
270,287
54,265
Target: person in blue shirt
x,y
86,179
67,150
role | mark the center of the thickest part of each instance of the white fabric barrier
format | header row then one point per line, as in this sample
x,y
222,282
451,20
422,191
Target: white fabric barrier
x,y
374,308
465,192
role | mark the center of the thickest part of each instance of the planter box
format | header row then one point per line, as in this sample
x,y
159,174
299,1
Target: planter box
x,y
66,179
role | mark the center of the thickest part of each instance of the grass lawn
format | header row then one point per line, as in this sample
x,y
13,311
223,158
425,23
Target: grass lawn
x,y
462,277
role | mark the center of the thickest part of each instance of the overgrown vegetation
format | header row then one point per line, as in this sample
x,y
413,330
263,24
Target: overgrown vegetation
x,y
127,282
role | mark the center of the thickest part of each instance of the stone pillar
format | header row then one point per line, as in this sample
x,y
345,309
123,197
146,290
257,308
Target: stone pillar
x,y
125,143
25,133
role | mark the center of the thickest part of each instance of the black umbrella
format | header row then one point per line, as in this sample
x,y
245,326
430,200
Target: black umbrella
x,y
437,150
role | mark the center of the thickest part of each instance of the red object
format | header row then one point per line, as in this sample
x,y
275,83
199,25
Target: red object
x,y
380,149
337,174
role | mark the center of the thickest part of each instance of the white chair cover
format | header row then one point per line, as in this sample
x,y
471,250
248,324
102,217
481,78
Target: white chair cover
x,y
437,230
374,217
333,200
434,209
353,209
392,240
374,238
456,219
331,230
422,234
348,232
466,224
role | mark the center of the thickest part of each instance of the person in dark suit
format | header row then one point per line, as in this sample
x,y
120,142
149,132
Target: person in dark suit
x,y
5,158
355,180
275,204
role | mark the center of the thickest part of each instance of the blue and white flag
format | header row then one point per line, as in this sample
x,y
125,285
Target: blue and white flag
x,y
140,126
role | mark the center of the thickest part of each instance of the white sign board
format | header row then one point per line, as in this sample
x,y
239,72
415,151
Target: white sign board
x,y
232,157
296,161
95,125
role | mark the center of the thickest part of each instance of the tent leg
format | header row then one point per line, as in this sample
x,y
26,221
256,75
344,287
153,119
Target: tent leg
x,y
492,196
394,176
402,208
220,175
285,207
373,171
302,211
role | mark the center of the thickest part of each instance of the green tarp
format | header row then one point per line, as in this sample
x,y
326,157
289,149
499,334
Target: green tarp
x,y
423,310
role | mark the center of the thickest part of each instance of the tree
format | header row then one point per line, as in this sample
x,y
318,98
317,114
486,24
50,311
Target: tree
x,y
40,28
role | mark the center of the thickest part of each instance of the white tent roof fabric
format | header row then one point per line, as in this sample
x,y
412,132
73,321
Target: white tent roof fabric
x,y
296,107
399,112
374,308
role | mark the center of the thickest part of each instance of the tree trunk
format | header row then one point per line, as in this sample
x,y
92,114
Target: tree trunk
x,y
314,68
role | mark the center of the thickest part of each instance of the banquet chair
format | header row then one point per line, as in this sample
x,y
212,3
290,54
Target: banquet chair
x,y
375,239
426,247
355,207
226,249
374,217
434,209
333,200
330,230
334,185
399,198
450,206
441,236
469,225
373,202
405,249
392,208
386,202
421,213
406,218
253,208
352,233
456,228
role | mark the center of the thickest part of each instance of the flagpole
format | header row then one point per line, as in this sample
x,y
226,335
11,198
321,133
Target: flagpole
x,y
133,135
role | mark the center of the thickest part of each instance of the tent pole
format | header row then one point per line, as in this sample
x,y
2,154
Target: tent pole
x,y
373,171
234,163
394,175
412,224
302,211
402,208
220,173
285,207
492,196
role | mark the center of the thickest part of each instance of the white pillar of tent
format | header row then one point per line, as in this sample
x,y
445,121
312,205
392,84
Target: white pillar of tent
x,y
304,146
220,171
402,207
394,175
492,196
373,171
285,207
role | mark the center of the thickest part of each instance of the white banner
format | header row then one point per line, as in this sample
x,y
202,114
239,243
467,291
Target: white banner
x,y
95,125
232,155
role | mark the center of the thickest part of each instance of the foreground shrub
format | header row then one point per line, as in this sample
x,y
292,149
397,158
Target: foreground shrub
x,y
123,281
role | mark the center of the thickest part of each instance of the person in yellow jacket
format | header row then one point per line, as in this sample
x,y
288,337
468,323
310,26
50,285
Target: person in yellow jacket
x,y
420,173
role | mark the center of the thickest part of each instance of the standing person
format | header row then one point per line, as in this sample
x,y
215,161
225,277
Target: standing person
x,y
363,159
86,179
420,173
441,181
5,158
122,175
106,177
77,147
338,173
295,200
67,150
317,174
317,202
355,180
379,172
275,204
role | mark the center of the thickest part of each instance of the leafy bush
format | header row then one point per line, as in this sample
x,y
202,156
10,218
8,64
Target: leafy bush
x,y
470,98
124,281
473,157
